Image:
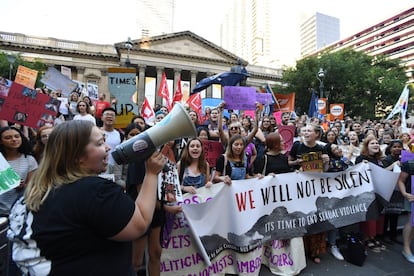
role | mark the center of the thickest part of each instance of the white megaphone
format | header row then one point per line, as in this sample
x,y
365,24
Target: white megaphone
x,y
175,125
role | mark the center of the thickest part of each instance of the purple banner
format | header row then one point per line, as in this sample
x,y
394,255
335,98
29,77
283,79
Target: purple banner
x,y
406,155
240,97
264,98
412,203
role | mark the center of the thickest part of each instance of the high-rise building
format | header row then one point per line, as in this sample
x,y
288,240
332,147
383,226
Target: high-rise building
x,y
392,37
246,31
317,32
154,17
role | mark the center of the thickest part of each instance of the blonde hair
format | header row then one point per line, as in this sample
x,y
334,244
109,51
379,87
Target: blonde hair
x,y
60,164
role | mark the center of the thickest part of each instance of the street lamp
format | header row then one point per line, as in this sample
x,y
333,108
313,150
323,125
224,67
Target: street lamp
x,y
11,59
320,76
129,45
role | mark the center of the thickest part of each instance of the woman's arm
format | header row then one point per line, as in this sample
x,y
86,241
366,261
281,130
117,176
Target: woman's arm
x,y
145,202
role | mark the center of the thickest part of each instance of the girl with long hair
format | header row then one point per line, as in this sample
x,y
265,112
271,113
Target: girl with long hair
x,y
194,170
71,221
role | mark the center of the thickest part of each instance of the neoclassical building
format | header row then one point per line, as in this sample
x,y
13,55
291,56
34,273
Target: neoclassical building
x,y
182,55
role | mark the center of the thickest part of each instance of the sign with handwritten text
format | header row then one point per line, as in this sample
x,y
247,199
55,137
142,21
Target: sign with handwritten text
x,y
240,97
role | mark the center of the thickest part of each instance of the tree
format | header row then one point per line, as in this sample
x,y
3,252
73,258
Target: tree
x,y
365,85
35,65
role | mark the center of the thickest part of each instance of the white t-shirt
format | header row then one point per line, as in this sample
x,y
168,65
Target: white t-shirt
x,y
87,117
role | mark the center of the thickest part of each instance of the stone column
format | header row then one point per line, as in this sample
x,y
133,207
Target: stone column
x,y
193,80
141,85
158,99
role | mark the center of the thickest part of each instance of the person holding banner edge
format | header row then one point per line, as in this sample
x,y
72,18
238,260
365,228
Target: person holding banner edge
x,y
405,185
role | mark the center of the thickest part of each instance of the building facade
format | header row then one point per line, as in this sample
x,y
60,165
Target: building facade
x,y
393,37
181,55
246,30
154,17
317,32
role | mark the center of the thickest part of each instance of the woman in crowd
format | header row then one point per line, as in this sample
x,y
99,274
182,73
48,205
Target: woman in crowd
x,y
41,140
194,118
72,105
16,149
138,119
274,161
299,157
213,123
406,140
84,112
203,133
372,229
77,222
354,148
393,155
88,100
232,165
194,170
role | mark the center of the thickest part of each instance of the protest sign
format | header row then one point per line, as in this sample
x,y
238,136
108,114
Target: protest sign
x,y
56,80
26,76
287,133
9,179
240,97
212,150
264,98
250,212
25,106
122,84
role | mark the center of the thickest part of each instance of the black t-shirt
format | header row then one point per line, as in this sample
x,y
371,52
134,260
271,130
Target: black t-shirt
x,y
275,164
299,150
73,226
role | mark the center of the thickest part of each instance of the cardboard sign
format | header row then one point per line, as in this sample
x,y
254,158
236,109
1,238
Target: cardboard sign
x,y
25,107
240,97
26,76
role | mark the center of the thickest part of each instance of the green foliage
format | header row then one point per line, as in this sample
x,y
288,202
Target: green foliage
x,y
365,85
5,67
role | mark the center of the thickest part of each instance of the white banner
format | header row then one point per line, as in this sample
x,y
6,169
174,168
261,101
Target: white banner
x,y
251,212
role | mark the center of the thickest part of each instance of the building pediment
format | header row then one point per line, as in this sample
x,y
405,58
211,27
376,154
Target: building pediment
x,y
182,44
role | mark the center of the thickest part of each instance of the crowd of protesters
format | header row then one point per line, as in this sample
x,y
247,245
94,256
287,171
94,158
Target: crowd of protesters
x,y
252,147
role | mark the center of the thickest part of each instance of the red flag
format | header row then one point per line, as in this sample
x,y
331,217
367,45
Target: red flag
x,y
178,95
163,91
147,112
194,102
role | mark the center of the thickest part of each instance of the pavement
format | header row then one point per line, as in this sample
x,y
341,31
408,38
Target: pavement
x,y
388,262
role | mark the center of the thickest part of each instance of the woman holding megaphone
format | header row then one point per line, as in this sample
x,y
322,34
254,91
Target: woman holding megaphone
x,y
70,221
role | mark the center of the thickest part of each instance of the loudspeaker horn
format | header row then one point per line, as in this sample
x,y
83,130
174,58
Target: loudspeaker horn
x,y
176,124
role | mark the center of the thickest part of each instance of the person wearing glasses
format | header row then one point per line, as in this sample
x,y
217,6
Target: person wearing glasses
x,y
84,112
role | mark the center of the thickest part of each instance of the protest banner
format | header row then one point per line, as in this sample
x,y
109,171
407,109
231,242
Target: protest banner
x,y
25,106
240,97
56,80
264,98
9,179
26,76
181,256
212,150
122,84
250,212
287,133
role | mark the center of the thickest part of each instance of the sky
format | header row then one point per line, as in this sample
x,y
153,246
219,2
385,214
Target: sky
x,y
109,22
